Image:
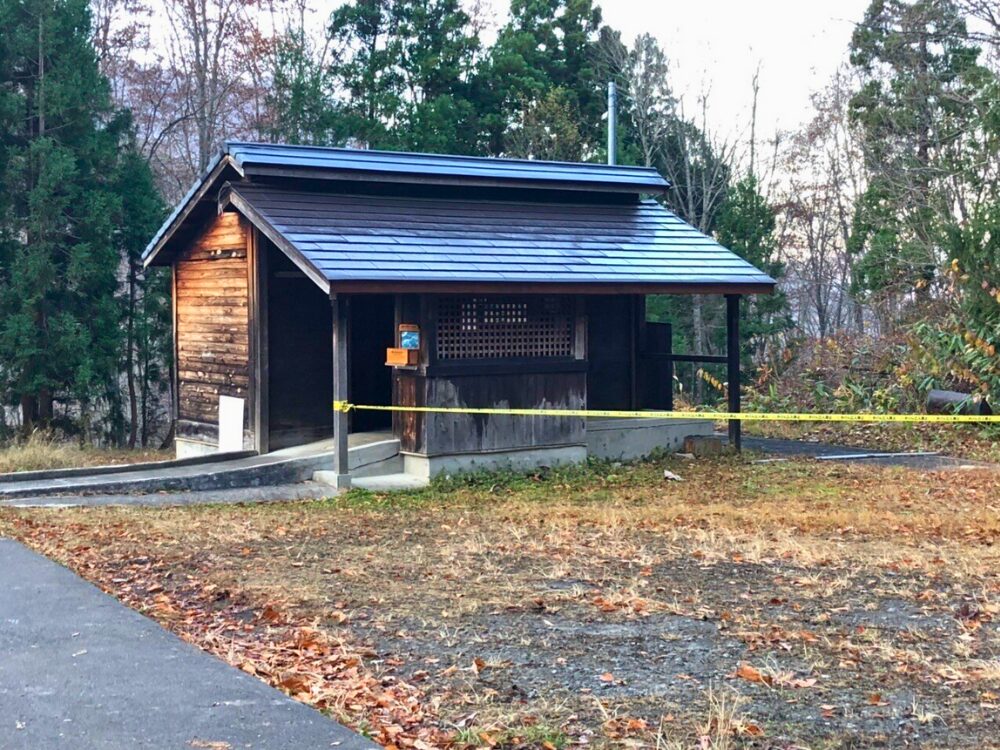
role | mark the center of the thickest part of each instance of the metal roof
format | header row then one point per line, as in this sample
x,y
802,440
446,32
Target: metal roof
x,y
342,239
440,168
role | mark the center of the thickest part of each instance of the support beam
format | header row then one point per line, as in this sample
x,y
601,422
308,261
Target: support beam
x,y
340,310
257,251
733,367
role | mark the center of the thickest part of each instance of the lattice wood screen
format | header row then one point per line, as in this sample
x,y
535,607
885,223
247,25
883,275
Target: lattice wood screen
x,y
504,327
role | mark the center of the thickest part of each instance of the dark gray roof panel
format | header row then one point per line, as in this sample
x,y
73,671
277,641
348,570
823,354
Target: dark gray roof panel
x,y
442,167
390,239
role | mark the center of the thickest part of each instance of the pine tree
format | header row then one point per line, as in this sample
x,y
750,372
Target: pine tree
x,y
61,214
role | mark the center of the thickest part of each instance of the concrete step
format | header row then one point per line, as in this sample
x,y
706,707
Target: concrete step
x,y
390,482
371,454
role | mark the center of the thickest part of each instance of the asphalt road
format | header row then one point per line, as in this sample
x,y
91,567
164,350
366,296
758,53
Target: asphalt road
x,y
80,670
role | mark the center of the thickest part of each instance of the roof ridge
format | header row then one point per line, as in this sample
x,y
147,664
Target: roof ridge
x,y
229,144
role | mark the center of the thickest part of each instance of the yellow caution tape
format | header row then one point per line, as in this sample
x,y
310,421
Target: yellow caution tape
x,y
743,416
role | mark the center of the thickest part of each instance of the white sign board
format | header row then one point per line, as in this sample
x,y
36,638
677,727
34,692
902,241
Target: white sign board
x,y
230,424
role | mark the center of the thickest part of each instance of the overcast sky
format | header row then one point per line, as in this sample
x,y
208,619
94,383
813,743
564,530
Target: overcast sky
x,y
716,45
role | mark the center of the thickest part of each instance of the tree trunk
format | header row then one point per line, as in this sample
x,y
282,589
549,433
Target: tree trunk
x,y
698,328
133,408
45,407
29,413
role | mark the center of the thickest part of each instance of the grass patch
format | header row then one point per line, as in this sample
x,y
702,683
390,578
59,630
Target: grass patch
x,y
40,452
799,603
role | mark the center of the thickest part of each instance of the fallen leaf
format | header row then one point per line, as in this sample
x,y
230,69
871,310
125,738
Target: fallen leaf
x,y
803,683
752,674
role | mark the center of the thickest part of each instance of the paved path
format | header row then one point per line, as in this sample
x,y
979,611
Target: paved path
x,y
281,467
79,670
826,451
278,493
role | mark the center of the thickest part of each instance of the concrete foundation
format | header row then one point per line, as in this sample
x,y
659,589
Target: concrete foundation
x,y
628,439
186,448
431,466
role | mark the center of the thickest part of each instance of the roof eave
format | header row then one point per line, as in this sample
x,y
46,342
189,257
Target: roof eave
x,y
228,196
198,192
757,286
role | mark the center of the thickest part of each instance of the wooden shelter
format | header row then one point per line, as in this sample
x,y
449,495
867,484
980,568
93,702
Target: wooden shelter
x,y
298,272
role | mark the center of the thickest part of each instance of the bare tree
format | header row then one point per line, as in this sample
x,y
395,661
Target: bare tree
x,y
700,166
212,53
823,182
645,90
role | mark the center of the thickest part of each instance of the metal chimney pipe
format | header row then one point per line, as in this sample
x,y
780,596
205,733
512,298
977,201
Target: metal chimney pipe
x,y
612,122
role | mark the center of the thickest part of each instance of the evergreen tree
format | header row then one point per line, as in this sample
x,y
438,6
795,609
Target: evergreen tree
x,y
406,67
61,209
746,226
919,78
300,103
144,297
545,44
548,129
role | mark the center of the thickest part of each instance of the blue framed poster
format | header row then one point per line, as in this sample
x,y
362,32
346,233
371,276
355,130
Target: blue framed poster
x,y
409,339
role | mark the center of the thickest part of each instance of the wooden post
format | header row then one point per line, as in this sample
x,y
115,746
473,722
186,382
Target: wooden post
x,y
668,375
733,367
340,310
633,352
257,250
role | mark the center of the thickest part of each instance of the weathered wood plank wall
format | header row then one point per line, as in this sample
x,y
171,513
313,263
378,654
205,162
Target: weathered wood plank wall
x,y
212,316
526,383
442,434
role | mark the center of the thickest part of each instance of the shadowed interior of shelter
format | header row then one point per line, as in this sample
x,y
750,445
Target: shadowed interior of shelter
x,y
372,332
300,355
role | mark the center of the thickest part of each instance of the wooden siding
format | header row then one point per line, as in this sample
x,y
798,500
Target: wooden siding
x,y
442,434
521,383
212,320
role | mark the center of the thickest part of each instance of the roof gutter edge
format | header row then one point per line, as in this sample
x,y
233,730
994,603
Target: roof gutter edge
x,y
550,287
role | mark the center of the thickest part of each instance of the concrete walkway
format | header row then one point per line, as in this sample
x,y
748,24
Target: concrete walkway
x,y
281,467
80,670
280,493
922,461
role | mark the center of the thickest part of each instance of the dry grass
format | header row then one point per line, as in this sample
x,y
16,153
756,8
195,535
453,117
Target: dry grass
x,y
601,606
40,452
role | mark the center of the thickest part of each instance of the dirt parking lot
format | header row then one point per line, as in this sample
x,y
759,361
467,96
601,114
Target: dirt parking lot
x,y
780,605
